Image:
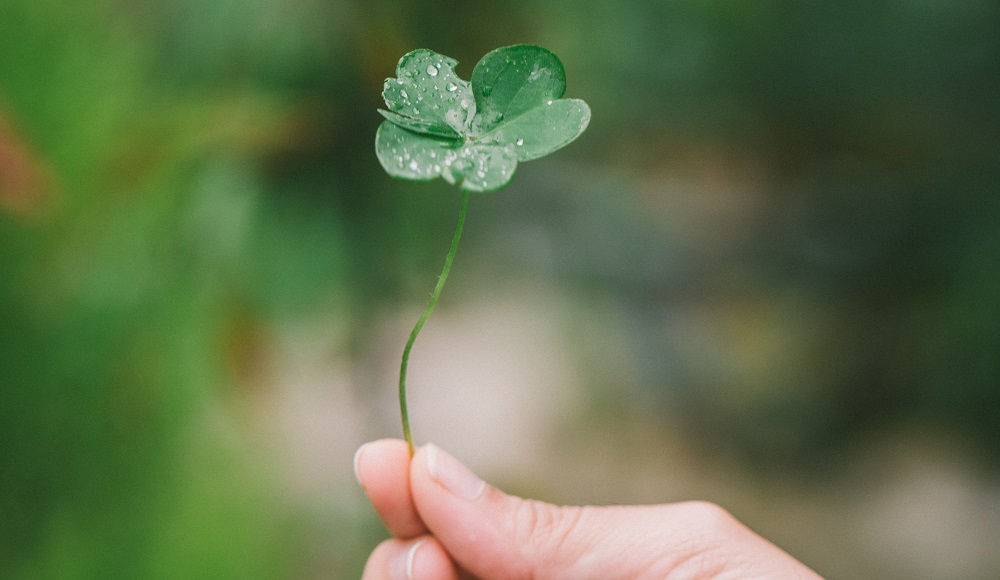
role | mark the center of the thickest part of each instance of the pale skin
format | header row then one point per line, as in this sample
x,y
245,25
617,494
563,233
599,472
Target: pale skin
x,y
448,524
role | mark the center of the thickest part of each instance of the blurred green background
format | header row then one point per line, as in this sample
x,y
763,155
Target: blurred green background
x,y
766,276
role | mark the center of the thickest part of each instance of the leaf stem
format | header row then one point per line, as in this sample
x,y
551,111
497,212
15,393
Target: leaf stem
x,y
423,318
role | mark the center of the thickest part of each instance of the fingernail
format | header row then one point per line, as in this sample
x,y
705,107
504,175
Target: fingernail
x,y
452,475
402,567
357,460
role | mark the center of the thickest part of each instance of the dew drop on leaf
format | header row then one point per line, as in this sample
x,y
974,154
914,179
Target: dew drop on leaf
x,y
477,153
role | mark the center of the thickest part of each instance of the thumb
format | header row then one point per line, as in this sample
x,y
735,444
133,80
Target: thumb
x,y
494,535
489,533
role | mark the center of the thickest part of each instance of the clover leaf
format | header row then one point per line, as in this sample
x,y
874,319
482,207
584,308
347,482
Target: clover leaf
x,y
474,134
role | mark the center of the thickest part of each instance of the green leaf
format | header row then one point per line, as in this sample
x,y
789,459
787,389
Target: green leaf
x,y
474,135
419,125
427,90
482,168
411,155
544,129
511,81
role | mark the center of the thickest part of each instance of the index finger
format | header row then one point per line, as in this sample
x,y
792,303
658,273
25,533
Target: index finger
x,y
383,470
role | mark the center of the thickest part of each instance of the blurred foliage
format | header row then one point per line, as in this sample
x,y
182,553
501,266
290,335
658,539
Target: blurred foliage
x,y
791,207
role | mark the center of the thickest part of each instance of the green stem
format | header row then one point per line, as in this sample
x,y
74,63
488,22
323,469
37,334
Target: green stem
x,y
423,318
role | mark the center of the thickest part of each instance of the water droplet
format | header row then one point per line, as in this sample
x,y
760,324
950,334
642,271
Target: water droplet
x,y
432,70
519,142
452,87
414,165
403,94
549,102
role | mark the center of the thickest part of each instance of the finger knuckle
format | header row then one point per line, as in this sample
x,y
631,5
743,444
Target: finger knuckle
x,y
544,528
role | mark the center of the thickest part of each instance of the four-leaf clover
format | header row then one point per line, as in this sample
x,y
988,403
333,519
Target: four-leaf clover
x,y
474,134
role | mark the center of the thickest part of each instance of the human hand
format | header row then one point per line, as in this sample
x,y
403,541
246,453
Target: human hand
x,y
449,524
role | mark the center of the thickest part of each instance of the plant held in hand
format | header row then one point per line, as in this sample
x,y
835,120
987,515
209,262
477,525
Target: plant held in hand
x,y
472,134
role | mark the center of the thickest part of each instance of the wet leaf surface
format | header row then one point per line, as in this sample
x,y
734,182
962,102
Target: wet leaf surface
x,y
474,134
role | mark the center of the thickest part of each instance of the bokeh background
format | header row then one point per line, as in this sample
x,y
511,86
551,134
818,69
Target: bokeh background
x,y
768,275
